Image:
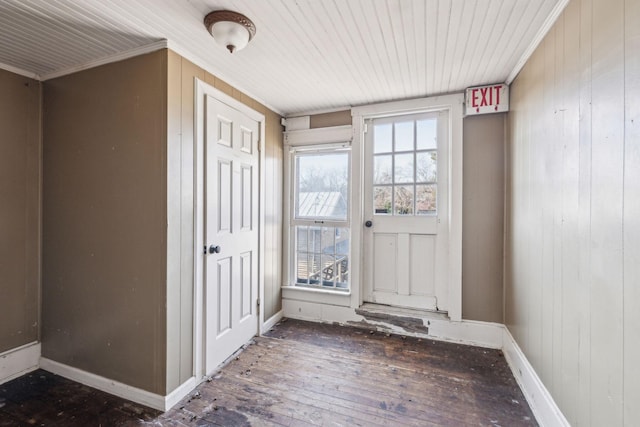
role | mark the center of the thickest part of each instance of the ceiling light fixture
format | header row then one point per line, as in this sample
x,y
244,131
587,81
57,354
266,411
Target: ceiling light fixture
x,y
231,29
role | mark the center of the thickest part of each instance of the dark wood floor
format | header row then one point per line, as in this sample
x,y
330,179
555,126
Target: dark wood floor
x,y
303,374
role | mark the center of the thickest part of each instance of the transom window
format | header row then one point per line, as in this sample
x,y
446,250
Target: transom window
x,y
405,157
320,223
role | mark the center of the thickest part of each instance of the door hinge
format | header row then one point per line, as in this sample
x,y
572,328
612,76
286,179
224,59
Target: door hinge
x,y
366,127
258,305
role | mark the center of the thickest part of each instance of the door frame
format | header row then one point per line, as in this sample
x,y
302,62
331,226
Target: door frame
x,y
454,104
201,89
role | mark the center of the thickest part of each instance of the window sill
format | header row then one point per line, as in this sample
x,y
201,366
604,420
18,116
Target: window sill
x,y
316,290
322,296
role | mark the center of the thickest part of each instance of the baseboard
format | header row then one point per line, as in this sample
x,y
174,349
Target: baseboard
x,y
179,393
482,334
19,361
540,400
269,323
119,389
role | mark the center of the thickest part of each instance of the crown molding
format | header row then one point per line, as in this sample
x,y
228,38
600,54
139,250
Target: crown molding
x,y
19,71
152,47
542,32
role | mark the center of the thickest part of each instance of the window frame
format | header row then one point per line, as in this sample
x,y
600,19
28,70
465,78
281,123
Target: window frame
x,y
337,138
319,221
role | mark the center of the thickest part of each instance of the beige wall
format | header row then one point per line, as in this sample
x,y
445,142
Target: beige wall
x,y
573,242
324,120
20,165
483,217
104,221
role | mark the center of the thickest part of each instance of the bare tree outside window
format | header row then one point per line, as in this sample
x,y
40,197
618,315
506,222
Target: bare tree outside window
x,y
405,170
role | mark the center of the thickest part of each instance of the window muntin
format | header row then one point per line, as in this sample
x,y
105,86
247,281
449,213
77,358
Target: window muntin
x,y
320,221
405,173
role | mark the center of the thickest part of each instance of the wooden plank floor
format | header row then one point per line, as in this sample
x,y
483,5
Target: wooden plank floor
x,y
303,374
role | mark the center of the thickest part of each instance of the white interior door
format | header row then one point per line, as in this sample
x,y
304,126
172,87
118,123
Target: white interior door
x,y
406,210
231,231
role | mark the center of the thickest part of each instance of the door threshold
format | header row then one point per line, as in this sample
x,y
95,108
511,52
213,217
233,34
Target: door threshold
x,y
369,307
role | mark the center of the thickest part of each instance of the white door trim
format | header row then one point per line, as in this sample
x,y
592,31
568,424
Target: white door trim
x,y
200,89
452,103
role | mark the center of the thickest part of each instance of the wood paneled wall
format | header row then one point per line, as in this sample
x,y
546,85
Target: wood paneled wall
x,y
573,237
20,219
104,221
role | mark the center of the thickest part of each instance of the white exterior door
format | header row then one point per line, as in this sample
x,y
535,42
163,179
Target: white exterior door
x,y
231,230
406,210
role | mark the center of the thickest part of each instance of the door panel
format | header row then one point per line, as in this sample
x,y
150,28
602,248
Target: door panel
x,y
245,281
231,232
385,262
406,201
422,264
224,196
223,303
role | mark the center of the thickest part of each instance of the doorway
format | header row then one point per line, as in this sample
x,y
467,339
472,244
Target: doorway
x,y
228,227
406,210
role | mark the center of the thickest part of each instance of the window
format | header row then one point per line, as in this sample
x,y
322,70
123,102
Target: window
x,y
405,173
320,218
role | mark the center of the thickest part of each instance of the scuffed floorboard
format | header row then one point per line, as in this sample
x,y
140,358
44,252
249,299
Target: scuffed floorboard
x,y
303,374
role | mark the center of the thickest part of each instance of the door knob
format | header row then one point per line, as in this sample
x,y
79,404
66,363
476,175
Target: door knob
x,y
214,249
368,223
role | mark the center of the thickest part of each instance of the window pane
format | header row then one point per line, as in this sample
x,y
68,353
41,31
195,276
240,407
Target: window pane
x,y
382,170
426,167
403,168
301,239
315,272
328,258
315,239
302,275
328,270
342,278
342,241
382,137
382,200
404,136
322,184
403,200
427,135
328,240
426,199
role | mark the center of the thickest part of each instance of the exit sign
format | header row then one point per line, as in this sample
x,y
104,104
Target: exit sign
x,y
487,99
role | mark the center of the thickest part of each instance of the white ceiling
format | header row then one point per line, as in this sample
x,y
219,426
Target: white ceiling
x,y
307,55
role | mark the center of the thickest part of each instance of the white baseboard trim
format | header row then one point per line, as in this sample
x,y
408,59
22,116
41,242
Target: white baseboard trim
x,y
269,323
119,389
179,393
19,361
540,400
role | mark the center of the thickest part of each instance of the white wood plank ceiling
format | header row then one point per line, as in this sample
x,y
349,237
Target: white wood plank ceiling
x,y
307,55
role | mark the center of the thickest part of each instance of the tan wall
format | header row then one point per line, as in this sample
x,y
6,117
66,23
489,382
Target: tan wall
x,y
483,217
573,270
181,77
324,120
20,164
104,229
